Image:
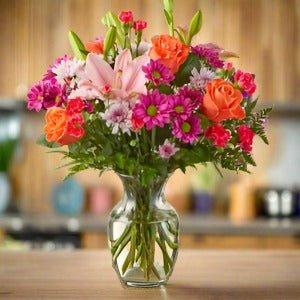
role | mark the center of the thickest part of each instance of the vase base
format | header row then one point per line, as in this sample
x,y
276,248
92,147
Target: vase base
x,y
140,284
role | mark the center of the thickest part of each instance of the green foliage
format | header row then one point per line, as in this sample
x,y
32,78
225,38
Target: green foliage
x,y
7,148
109,40
184,72
168,11
77,46
110,19
195,26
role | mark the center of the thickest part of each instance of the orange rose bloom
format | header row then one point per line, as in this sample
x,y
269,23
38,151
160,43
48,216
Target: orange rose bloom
x,y
169,50
63,128
222,101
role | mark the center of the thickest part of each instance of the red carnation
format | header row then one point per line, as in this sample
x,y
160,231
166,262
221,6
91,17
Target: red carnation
x,y
245,81
137,124
246,136
139,25
75,106
126,17
218,135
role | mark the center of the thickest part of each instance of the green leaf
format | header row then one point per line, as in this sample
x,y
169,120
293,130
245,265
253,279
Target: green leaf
x,y
43,142
168,17
168,5
184,72
110,19
77,46
120,160
195,26
198,154
109,40
165,89
147,176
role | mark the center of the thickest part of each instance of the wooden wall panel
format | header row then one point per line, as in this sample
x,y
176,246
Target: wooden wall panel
x,y
265,33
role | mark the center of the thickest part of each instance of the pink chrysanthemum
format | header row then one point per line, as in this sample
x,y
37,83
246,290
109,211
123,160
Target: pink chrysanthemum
x,y
195,96
187,130
153,109
180,106
167,149
45,94
209,53
158,73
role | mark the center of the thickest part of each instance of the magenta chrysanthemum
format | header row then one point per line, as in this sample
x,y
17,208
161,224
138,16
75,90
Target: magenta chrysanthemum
x,y
209,53
195,96
153,109
180,106
158,73
45,94
187,130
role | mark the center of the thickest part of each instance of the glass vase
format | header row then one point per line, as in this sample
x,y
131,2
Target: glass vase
x,y
143,234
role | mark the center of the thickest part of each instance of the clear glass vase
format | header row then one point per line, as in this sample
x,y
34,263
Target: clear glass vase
x,y
143,234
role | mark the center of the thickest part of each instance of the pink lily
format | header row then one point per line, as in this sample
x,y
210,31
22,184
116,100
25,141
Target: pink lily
x,y
126,79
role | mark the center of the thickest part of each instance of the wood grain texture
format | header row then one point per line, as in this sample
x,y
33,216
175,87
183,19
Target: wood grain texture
x,y
197,275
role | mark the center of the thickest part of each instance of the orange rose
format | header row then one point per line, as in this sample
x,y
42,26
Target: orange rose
x,y
56,122
169,50
63,128
222,101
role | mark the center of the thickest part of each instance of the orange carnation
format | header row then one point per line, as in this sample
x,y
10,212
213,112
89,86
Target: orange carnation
x,y
169,50
222,101
63,128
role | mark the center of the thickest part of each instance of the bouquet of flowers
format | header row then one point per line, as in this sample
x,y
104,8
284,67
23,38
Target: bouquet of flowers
x,y
144,110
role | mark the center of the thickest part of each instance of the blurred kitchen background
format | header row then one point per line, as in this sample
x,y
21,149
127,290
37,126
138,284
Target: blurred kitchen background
x,y
262,210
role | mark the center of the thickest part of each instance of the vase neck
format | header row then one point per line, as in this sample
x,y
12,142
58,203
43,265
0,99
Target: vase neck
x,y
148,194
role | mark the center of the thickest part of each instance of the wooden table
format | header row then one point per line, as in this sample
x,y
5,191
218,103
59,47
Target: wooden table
x,y
198,275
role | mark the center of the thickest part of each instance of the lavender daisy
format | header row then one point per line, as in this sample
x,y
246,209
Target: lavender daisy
x,y
158,73
167,149
118,116
199,79
153,109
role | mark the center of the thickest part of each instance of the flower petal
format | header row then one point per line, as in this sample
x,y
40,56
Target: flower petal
x,y
98,70
133,78
122,60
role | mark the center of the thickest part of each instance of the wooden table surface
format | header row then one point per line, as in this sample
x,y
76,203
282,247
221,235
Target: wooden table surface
x,y
209,274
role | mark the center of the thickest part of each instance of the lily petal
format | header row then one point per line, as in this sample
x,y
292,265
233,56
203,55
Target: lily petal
x,y
122,60
133,78
98,70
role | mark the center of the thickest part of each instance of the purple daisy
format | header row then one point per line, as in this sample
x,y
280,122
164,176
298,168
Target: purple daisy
x,y
181,107
167,149
194,95
187,130
209,53
158,73
45,94
49,74
153,109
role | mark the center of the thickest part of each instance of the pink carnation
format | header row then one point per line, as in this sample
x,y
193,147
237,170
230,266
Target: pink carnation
x,y
126,17
219,135
245,81
246,135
